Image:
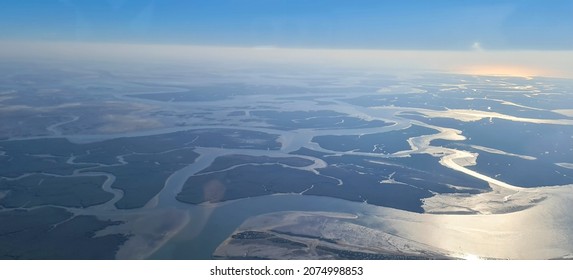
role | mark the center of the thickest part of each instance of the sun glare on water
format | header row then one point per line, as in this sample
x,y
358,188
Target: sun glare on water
x,y
470,257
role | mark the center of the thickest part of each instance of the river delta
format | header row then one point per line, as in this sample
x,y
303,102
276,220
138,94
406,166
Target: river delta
x,y
189,163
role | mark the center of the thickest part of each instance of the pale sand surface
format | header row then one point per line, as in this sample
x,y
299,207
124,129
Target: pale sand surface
x,y
148,230
541,230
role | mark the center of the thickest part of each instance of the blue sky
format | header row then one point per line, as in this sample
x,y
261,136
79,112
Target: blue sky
x,y
370,24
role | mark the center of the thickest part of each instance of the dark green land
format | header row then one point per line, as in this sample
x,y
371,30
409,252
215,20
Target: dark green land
x,y
225,162
149,161
52,233
38,190
248,181
383,143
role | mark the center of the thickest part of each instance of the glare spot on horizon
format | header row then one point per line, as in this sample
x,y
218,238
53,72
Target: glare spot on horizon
x,y
470,257
476,46
503,70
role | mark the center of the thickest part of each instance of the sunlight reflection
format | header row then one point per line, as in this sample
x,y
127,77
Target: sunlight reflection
x,y
504,70
470,257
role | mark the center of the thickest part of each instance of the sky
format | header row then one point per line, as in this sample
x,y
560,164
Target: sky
x,y
338,24
484,37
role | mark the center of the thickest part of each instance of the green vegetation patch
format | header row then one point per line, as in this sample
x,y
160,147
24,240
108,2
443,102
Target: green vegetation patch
x,y
384,143
248,181
144,175
225,162
150,161
52,233
37,190
18,165
320,119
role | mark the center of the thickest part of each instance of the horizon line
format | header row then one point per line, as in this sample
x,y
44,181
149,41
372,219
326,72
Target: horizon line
x,y
526,63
